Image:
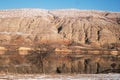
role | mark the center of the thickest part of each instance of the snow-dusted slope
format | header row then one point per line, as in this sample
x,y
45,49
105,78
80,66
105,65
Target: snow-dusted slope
x,y
60,13
66,25
23,13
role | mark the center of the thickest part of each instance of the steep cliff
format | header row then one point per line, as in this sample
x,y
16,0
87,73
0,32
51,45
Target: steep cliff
x,y
30,26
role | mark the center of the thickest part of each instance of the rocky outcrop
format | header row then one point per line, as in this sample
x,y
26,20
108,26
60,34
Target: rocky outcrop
x,y
30,26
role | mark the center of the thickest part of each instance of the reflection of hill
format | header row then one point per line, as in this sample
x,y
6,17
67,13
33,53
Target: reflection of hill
x,y
48,61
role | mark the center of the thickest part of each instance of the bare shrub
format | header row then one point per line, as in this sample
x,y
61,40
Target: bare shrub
x,y
36,57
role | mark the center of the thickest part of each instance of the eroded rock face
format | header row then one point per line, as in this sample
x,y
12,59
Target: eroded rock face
x,y
29,26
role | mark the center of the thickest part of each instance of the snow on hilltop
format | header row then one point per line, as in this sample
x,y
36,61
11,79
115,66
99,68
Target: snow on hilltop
x,y
59,13
23,13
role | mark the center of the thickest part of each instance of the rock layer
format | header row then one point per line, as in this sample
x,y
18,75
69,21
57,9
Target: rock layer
x,y
30,26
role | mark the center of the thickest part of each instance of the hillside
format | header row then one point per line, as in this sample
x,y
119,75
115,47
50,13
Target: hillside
x,y
30,26
34,41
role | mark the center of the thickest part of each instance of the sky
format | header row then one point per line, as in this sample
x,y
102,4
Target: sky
x,y
106,5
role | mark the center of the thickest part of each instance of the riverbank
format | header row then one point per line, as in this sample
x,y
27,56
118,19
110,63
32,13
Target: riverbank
x,y
60,77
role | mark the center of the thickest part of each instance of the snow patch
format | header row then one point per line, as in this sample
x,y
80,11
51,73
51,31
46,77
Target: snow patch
x,y
17,33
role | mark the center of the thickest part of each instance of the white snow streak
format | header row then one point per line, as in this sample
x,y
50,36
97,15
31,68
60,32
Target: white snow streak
x,y
59,13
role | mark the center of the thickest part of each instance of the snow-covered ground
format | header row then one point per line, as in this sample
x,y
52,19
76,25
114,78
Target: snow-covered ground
x,y
62,77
